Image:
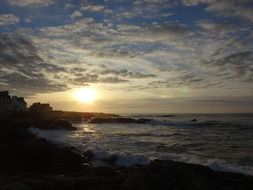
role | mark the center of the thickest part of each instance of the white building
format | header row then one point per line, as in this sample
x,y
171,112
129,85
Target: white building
x,y
11,103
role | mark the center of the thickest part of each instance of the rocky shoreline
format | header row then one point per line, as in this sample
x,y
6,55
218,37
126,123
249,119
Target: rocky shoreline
x,y
29,162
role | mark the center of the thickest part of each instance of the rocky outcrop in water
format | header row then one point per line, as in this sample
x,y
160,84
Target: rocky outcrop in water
x,y
53,124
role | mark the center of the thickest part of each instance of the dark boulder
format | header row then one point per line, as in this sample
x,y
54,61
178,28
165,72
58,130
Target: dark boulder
x,y
88,155
54,124
194,120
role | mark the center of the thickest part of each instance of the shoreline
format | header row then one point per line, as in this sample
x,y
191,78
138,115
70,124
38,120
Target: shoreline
x,y
30,162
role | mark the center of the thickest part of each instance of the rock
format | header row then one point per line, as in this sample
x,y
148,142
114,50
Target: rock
x,y
62,124
181,176
16,186
88,155
194,120
54,124
169,115
111,160
157,175
143,120
23,152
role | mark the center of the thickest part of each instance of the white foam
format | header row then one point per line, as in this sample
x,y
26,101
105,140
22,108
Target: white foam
x,y
214,164
221,166
103,149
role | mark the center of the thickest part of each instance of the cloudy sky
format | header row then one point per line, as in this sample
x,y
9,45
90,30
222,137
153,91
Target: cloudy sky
x,y
160,56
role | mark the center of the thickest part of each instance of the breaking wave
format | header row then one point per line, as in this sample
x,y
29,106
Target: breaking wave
x,y
223,143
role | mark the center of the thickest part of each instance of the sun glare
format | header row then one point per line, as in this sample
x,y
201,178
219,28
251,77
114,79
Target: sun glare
x,y
85,94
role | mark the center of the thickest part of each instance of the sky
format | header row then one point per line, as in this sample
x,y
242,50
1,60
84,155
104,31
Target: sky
x,y
140,56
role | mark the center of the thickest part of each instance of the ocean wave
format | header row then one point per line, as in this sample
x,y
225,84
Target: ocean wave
x,y
128,159
125,148
146,134
208,123
121,158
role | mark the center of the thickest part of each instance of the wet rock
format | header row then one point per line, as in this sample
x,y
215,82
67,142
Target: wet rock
x,y
111,160
168,115
88,155
157,175
181,176
143,120
194,120
54,124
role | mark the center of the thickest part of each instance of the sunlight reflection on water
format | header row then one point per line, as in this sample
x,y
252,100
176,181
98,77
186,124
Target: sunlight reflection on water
x,y
203,142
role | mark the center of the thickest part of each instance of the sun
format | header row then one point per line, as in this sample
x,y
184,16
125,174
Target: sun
x,y
85,94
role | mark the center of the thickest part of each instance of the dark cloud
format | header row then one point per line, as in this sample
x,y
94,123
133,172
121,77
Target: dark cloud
x,y
228,8
83,78
238,65
175,29
31,3
22,68
112,80
8,19
113,52
189,80
126,73
28,85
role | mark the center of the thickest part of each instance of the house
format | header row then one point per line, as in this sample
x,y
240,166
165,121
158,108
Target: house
x,y
39,107
11,103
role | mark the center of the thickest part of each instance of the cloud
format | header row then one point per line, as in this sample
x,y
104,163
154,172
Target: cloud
x,y
155,3
151,52
232,8
164,32
227,8
31,3
8,19
112,80
81,79
187,80
233,66
216,27
196,2
68,6
22,68
126,73
128,27
175,29
104,40
138,9
76,14
92,8
28,85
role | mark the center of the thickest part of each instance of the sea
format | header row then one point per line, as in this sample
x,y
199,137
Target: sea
x,y
222,142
